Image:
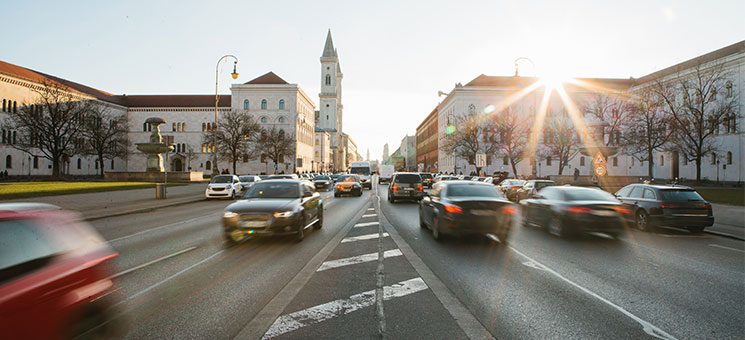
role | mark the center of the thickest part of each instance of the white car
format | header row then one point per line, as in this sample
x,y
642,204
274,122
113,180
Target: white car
x,y
223,186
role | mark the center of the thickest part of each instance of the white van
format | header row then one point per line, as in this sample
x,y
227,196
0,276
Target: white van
x,y
362,169
385,172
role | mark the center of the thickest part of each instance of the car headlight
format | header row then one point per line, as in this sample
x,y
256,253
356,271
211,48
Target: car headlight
x,y
279,214
229,214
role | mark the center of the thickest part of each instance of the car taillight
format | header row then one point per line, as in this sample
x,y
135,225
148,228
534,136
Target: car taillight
x,y
453,209
622,210
707,206
668,206
579,210
421,188
395,187
99,260
509,210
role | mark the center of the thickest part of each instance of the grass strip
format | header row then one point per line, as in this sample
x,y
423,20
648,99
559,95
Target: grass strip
x,y
13,190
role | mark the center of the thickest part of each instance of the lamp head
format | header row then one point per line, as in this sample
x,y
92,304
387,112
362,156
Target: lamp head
x,y
235,73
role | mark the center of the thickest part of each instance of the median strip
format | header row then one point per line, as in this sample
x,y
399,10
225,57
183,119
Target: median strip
x,y
357,259
367,224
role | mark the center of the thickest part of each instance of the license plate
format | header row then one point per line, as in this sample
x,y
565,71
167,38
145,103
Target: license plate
x,y
348,189
484,212
253,224
409,189
603,213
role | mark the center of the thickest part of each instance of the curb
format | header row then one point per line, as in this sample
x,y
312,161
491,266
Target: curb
x,y
141,210
725,235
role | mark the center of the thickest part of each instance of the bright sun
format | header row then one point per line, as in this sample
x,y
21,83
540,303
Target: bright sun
x,y
555,79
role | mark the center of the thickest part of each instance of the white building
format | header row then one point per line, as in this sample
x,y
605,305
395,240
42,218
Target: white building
x,y
322,151
330,111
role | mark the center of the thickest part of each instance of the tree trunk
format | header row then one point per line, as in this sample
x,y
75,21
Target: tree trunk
x,y
100,164
55,167
650,166
698,169
234,161
514,168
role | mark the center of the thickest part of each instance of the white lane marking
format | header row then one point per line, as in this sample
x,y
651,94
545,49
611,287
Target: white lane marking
x,y
369,215
152,262
174,275
366,224
357,259
362,237
370,209
647,327
309,316
723,247
161,227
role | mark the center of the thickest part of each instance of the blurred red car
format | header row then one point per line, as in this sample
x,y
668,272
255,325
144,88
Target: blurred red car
x,y
55,275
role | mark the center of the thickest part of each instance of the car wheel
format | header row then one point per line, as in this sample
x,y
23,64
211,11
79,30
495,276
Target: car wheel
x,y
556,227
319,223
301,231
642,221
696,230
232,194
391,199
436,229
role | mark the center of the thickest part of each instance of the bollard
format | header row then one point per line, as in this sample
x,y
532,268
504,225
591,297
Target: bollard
x,y
160,191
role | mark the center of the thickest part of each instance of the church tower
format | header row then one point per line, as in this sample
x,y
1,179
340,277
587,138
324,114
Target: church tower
x,y
330,107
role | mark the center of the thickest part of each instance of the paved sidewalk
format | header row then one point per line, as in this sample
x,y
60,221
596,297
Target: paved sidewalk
x,y
729,221
97,205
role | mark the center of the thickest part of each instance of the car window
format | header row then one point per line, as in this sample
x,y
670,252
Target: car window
x,y
624,192
246,179
551,194
436,190
681,195
273,189
407,178
540,185
321,178
584,194
23,248
648,193
463,190
307,189
637,192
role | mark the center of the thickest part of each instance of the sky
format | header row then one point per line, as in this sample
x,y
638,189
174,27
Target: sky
x,y
395,55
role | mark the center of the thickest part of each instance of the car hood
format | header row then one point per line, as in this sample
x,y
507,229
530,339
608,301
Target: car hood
x,y
263,205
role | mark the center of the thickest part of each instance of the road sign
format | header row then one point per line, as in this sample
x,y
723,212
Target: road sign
x,y
600,170
599,159
481,160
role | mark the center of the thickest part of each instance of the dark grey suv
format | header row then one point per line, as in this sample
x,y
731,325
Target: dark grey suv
x,y
405,185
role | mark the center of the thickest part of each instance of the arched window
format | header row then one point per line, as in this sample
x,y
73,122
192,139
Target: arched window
x,y
263,104
471,109
183,126
178,147
209,126
173,127
662,160
208,165
8,162
149,127
281,104
713,158
728,87
204,127
4,105
505,160
245,104
615,161
328,79
14,137
96,164
548,161
263,120
144,127
281,134
729,157
281,120
316,153
36,162
316,141
15,107
582,161
79,163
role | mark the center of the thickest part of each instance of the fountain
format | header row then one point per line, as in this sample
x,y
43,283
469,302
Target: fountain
x,y
156,147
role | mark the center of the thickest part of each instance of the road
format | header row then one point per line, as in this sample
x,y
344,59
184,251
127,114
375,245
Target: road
x,y
176,279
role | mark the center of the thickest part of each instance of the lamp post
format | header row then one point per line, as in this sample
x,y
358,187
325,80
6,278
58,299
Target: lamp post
x,y
215,169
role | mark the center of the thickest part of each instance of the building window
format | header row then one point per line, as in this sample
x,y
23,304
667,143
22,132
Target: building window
x,y
15,107
263,120
36,162
245,104
173,127
729,157
729,89
685,160
713,158
615,161
548,161
471,109
4,105
505,160
281,104
582,161
317,154
208,165
14,138
263,104
8,162
245,158
662,160
112,164
328,79
79,163
281,120
144,127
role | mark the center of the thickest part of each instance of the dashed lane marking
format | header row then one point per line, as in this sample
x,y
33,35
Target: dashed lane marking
x,y
363,237
366,224
723,247
357,259
369,215
309,316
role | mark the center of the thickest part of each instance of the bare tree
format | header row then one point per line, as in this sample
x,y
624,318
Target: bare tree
x,y
103,134
513,135
610,111
647,128
473,134
236,135
50,124
275,144
698,104
559,139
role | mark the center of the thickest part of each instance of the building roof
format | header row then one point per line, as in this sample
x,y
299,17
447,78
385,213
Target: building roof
x,y
193,100
328,48
268,78
609,83
738,47
431,115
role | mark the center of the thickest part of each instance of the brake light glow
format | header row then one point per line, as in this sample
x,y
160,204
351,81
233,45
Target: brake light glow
x,y
395,187
668,206
421,188
622,210
707,206
509,210
453,209
579,210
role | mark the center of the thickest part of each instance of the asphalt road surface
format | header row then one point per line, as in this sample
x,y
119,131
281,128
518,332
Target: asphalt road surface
x,y
177,280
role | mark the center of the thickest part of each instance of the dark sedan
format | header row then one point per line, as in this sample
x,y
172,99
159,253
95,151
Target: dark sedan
x,y
322,182
467,207
665,205
276,207
531,188
405,185
566,210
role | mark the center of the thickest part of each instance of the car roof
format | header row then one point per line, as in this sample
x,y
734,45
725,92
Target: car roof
x,y
406,173
664,186
27,206
283,180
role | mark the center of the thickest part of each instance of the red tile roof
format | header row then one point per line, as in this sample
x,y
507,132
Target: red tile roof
x,y
269,78
193,100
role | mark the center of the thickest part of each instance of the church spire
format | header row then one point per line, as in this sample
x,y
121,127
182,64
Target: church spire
x,y
328,49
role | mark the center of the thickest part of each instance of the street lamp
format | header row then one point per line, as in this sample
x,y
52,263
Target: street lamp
x,y
215,169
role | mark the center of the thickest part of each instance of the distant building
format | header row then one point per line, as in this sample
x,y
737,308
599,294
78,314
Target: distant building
x,y
426,143
322,151
385,152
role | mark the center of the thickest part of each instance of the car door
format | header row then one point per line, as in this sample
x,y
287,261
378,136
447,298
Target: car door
x,y
429,201
634,198
542,206
315,201
306,200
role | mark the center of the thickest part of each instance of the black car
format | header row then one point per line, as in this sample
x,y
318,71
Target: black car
x,y
566,210
275,207
348,185
427,179
531,188
666,205
405,185
467,207
322,182
247,181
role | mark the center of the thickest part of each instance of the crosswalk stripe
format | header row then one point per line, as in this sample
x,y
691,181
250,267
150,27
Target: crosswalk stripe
x,y
369,215
357,259
366,224
296,320
362,237
370,209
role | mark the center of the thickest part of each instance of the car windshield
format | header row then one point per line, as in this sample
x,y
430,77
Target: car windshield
x,y
408,178
473,190
582,194
273,189
426,176
246,178
321,178
222,179
681,195
348,178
